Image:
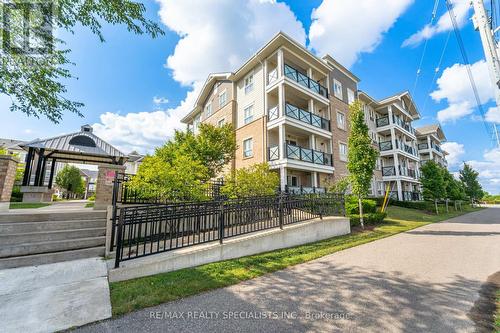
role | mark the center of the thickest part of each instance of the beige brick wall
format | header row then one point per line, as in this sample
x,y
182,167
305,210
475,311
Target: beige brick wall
x,y
256,131
104,186
227,112
8,166
339,135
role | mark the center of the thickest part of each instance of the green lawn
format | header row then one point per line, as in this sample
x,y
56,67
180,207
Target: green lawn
x,y
89,204
143,292
24,205
497,315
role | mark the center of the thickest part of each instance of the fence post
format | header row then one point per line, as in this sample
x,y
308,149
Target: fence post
x,y
114,200
119,241
320,208
280,211
221,221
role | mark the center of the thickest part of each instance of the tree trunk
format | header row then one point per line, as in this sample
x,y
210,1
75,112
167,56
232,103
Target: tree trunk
x,y
361,220
447,210
436,205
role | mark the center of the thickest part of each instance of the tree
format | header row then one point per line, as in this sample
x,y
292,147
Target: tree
x,y
180,169
469,177
212,146
340,186
433,183
32,79
256,180
454,188
361,155
69,179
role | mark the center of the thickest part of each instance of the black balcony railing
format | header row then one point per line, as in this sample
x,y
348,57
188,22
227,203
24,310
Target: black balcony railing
x,y
406,126
307,117
422,146
305,81
386,145
409,149
308,155
382,121
273,153
435,147
388,171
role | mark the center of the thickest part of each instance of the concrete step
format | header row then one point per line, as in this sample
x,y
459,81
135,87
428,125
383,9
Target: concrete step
x,y
48,258
29,227
47,236
50,246
57,216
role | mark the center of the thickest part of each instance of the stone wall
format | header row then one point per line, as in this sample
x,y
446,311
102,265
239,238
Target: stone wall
x,y
104,187
8,166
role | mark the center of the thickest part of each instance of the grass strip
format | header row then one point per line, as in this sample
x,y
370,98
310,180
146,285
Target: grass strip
x,y
25,205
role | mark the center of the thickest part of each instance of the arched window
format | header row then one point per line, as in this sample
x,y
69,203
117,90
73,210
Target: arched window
x,y
82,140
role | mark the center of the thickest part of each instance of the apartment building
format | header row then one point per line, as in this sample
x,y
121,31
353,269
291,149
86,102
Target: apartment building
x,y
390,123
430,138
283,112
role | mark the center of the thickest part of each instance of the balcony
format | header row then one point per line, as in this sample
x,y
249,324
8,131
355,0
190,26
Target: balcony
x,y
411,196
301,154
382,121
409,149
403,125
423,146
386,145
436,147
406,172
307,117
304,189
305,81
388,171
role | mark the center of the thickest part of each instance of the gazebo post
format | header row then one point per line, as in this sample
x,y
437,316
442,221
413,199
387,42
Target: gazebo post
x,y
27,168
39,166
52,169
42,171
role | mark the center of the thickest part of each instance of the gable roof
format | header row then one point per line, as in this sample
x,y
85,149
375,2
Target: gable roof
x,y
11,143
432,129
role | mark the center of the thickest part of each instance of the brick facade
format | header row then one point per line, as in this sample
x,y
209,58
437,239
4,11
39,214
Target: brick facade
x,y
104,186
8,166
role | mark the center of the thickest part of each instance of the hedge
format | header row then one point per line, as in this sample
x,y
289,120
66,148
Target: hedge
x,y
352,206
370,218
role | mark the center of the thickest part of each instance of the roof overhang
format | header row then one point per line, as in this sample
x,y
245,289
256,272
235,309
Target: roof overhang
x,y
411,106
334,63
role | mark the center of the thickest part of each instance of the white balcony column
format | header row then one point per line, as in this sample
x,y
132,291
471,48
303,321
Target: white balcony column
x,y
281,100
314,179
281,141
400,190
396,164
282,178
431,155
312,142
281,63
389,109
393,138
311,106
310,72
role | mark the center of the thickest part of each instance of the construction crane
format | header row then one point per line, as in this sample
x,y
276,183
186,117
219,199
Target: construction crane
x,y
482,24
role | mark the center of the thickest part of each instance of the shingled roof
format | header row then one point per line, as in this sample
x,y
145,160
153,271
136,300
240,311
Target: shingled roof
x,y
432,129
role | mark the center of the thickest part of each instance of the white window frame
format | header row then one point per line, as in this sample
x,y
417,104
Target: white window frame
x,y
351,97
247,119
247,152
223,93
207,108
249,86
343,157
221,122
339,125
336,93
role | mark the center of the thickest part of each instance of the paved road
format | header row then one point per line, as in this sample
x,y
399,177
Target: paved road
x,y
425,280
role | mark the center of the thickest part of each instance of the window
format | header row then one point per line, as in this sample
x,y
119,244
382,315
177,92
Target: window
x,y
403,104
337,89
248,114
221,122
340,120
350,96
196,122
222,98
293,181
342,151
249,83
208,110
248,147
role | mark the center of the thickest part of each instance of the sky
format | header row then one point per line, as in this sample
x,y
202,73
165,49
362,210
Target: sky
x,y
136,89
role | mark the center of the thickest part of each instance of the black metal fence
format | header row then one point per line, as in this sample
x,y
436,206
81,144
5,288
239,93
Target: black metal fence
x,y
150,229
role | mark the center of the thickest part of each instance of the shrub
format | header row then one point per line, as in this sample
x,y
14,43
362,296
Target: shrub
x,y
16,195
370,218
352,207
91,198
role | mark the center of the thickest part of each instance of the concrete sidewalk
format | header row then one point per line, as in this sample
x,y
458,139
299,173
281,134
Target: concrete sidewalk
x,y
425,280
54,297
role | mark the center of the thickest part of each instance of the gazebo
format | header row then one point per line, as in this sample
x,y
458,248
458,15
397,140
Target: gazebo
x,y
82,147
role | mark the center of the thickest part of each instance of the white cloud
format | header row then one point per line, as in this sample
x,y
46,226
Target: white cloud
x,y
460,9
455,150
215,36
345,29
218,35
159,100
489,172
493,115
454,87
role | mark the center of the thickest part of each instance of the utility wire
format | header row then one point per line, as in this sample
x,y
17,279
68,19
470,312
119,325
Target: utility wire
x,y
467,63
417,76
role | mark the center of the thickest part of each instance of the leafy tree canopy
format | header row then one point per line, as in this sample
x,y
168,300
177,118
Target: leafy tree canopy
x,y
469,177
69,179
256,180
433,183
32,79
454,188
